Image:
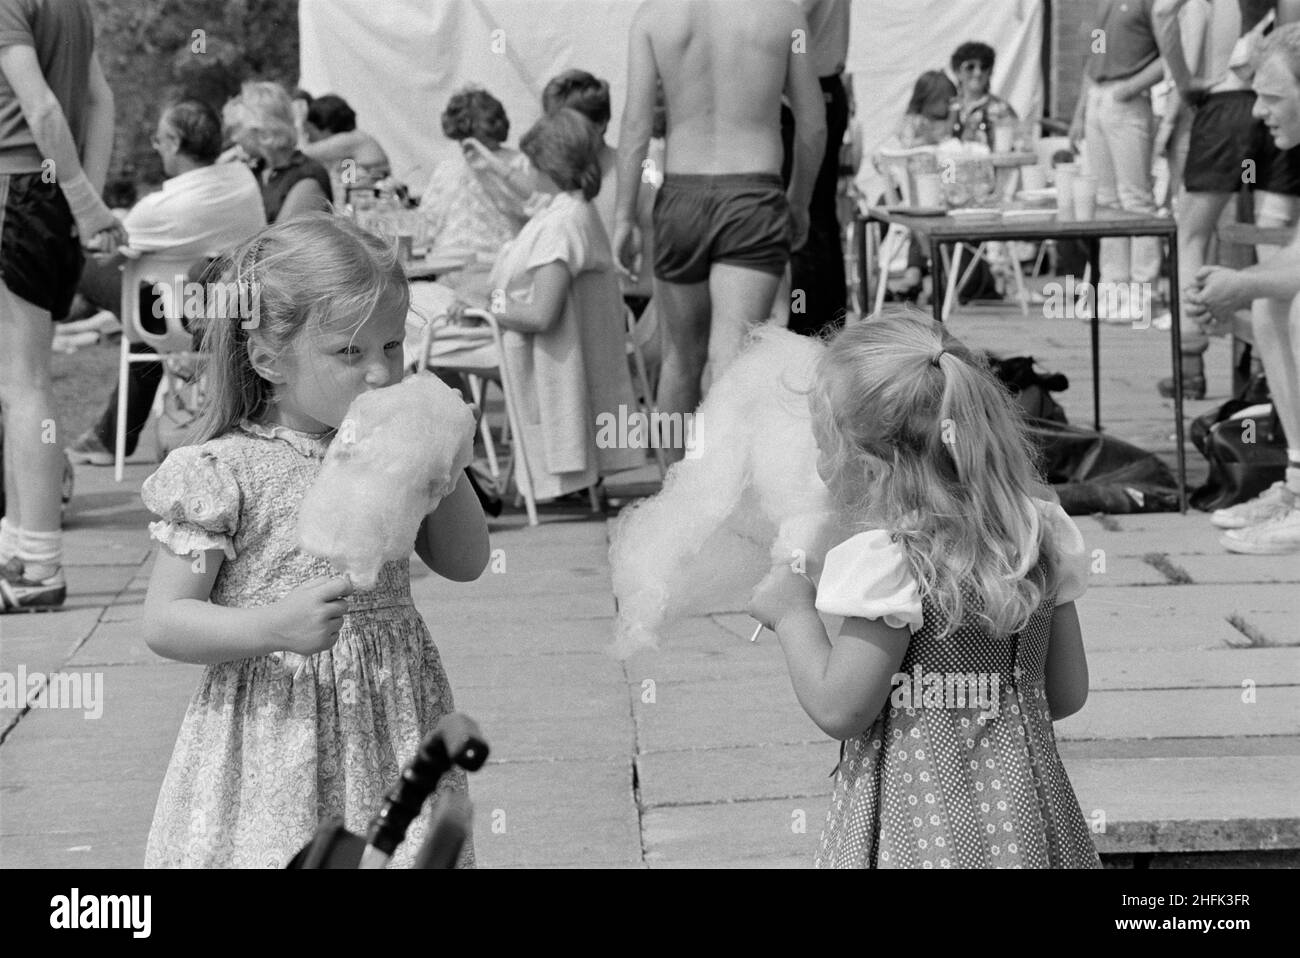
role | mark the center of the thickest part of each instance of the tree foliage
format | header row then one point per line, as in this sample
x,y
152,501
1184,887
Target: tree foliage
x,y
157,50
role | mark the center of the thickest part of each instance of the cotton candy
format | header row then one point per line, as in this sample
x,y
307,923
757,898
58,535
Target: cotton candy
x,y
397,452
747,496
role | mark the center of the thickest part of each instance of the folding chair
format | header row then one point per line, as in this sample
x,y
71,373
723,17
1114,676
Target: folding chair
x,y
167,277
645,391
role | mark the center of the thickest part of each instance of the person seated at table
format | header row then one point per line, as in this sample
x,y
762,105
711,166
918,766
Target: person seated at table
x,y
479,199
589,95
975,111
203,208
927,121
561,313
353,157
300,100
260,122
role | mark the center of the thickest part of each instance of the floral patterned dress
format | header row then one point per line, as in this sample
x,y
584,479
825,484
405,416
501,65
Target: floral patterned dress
x,y
272,745
932,785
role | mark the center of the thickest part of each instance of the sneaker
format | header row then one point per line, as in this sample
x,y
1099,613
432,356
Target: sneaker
x,y
89,450
33,595
1193,387
1274,501
1163,322
1278,536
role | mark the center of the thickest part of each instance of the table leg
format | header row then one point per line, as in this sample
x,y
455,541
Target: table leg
x,y
1094,274
1176,327
936,272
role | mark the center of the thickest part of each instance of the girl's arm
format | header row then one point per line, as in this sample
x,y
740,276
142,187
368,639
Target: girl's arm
x,y
179,621
1067,664
550,288
844,684
453,539
339,146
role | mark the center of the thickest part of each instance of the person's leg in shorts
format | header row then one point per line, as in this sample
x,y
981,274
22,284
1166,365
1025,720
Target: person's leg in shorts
x,y
40,260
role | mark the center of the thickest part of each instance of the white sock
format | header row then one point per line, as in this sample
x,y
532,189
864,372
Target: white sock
x,y
9,534
40,552
1293,470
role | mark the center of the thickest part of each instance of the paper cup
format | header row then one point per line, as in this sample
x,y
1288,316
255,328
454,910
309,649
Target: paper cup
x,y
1065,176
1085,197
929,189
1004,138
1033,177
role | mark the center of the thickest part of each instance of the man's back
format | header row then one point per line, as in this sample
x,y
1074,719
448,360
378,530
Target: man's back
x,y
723,65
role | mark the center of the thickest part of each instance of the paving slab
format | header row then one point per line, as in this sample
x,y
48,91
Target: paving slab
x,y
1228,568
533,814
1180,713
116,643
777,833
1181,804
1196,668
713,775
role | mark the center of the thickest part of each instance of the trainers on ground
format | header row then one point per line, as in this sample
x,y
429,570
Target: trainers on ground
x,y
1276,537
1274,501
33,595
88,449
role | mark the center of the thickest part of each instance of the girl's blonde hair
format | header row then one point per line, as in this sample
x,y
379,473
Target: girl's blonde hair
x,y
311,269
263,113
918,438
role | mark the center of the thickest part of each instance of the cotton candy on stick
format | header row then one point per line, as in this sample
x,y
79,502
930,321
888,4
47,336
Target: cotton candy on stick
x,y
746,497
398,451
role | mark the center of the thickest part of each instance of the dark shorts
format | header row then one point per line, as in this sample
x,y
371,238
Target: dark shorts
x,y
741,219
1224,137
40,253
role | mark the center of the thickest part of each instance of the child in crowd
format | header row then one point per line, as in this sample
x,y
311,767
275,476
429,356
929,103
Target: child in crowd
x,y
960,643
314,696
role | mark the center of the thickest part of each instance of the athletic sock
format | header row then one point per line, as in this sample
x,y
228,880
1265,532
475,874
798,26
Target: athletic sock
x,y
41,553
9,536
1293,470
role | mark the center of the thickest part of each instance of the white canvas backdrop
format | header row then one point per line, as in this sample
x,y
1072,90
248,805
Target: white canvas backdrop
x,y
398,61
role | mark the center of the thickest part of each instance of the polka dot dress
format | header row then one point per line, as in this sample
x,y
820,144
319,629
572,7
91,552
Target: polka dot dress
x,y
945,787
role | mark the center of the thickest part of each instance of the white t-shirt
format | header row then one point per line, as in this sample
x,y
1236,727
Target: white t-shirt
x,y
198,213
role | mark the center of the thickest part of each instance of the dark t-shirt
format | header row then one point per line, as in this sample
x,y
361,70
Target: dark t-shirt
x,y
276,187
63,36
1127,43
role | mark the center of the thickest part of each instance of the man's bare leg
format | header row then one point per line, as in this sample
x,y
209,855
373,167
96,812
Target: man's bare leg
x,y
1276,325
683,310
742,299
33,466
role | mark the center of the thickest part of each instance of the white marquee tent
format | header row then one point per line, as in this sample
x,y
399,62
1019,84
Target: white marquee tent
x,y
398,61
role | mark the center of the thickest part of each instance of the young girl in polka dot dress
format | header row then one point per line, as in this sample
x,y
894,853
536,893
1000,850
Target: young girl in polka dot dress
x,y
960,642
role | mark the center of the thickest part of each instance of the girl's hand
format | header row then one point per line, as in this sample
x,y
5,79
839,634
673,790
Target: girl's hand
x,y
309,618
783,591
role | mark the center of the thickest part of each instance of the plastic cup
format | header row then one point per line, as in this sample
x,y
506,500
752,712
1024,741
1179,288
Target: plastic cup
x,y
929,190
1085,197
1004,138
1065,176
1033,177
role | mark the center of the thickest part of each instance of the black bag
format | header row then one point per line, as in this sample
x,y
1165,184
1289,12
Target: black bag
x,y
1033,389
1246,456
1093,472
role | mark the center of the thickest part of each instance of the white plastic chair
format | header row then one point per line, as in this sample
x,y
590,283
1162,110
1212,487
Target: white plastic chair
x,y
176,342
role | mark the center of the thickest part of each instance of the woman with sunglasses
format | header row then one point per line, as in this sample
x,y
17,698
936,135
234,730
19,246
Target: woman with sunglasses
x,y
975,110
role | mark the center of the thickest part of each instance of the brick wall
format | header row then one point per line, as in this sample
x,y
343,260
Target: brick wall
x,y
1069,47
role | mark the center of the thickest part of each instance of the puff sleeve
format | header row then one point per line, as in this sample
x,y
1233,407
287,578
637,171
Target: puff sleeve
x,y
197,498
868,577
1071,575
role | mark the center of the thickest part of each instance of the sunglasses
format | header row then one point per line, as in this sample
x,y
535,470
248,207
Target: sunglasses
x,y
974,66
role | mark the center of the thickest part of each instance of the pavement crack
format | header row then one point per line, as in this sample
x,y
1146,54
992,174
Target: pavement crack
x,y
1175,573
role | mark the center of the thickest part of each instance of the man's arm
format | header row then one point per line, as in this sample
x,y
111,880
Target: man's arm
x,y
1278,277
49,128
806,102
1142,81
638,118
1167,17
99,127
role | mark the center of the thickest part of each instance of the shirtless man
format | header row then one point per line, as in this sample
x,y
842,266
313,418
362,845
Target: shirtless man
x,y
724,228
